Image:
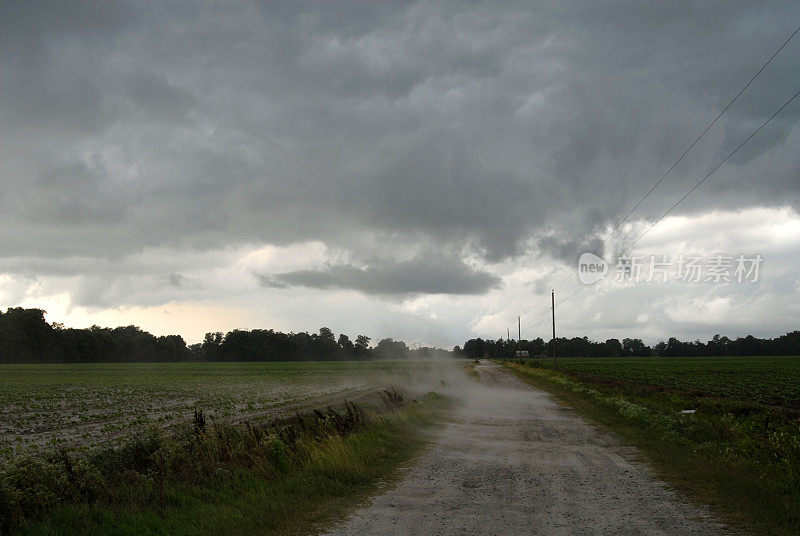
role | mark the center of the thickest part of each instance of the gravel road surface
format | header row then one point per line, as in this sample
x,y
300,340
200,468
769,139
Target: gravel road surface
x,y
514,462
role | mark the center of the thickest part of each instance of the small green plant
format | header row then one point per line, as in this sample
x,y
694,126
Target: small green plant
x,y
392,398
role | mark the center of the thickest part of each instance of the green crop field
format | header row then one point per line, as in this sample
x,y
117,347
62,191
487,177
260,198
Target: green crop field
x,y
43,406
725,429
762,380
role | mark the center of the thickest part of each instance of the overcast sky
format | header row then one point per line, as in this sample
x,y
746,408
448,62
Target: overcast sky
x,y
425,171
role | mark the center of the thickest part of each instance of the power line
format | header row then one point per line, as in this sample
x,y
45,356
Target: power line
x,y
680,159
698,138
693,188
691,146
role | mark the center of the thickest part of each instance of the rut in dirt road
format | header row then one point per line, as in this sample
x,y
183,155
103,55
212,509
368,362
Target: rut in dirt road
x,y
514,462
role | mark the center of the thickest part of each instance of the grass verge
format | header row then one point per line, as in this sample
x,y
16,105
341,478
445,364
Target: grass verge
x,y
740,459
283,477
469,368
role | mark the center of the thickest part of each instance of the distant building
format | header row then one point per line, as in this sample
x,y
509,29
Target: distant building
x,y
523,353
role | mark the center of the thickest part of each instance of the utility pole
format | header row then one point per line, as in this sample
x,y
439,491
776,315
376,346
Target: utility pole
x,y
553,301
519,327
508,342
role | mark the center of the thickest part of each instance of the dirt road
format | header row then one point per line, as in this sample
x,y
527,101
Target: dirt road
x,y
514,462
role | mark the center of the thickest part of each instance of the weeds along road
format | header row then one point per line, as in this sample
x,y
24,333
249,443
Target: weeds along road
x,y
514,462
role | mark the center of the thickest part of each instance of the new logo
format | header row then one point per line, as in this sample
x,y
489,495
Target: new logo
x,y
591,268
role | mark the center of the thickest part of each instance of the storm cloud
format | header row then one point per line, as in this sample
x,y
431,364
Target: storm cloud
x,y
421,275
501,134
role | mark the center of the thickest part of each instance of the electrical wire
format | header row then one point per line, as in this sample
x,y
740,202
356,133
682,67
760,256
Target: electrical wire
x,y
688,149
689,192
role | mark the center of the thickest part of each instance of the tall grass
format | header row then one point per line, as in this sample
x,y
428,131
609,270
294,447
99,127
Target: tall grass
x,y
275,477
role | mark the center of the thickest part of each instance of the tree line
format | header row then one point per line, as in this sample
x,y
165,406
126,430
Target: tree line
x,y
788,344
26,337
270,345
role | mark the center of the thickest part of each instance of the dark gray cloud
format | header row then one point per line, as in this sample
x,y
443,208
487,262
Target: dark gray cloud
x,y
421,275
491,130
